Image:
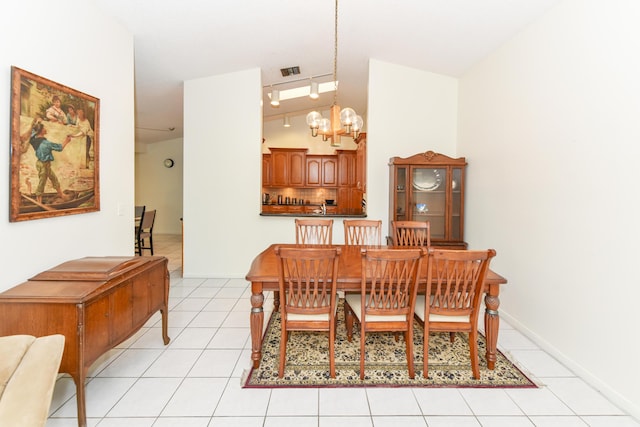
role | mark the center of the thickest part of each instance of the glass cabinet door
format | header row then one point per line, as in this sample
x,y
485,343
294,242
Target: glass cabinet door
x,y
429,202
456,204
401,194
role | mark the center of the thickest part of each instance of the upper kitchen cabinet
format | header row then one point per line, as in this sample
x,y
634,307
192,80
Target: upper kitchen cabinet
x,y
430,187
321,170
288,167
361,162
266,170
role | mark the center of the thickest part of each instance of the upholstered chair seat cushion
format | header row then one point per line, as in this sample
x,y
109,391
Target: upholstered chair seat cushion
x,y
28,372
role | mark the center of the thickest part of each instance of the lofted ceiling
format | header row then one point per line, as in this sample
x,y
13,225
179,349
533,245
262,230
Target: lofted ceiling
x,y
191,39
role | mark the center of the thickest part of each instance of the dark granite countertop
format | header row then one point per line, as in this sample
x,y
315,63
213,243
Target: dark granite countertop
x,y
329,215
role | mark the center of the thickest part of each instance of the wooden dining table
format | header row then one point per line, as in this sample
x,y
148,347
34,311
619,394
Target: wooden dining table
x,y
263,276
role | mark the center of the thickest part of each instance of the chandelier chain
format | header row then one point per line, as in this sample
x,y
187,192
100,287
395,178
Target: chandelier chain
x,y
335,57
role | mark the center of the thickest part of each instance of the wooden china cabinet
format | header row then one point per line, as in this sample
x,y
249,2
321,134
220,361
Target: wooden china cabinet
x,y
430,187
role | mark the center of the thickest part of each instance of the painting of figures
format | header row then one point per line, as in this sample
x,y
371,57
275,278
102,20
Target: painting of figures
x,y
54,149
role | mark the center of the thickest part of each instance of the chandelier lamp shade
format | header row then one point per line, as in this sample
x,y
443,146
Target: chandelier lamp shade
x,y
341,122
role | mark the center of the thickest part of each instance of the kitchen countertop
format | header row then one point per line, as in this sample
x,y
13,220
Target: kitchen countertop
x,y
315,215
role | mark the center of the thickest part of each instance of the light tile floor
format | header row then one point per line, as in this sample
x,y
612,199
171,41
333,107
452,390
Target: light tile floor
x,y
195,381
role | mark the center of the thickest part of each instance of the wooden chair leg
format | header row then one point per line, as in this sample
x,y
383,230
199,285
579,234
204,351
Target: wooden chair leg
x,y
332,350
408,338
348,321
283,352
425,351
473,349
452,336
362,339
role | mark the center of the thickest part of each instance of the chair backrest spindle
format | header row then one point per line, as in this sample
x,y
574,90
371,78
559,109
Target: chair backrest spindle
x,y
314,231
362,232
411,233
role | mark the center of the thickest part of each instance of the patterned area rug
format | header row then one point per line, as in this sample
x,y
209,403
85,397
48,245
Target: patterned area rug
x,y
307,362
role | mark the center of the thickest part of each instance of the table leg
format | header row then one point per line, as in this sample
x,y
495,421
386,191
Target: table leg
x,y
491,325
256,322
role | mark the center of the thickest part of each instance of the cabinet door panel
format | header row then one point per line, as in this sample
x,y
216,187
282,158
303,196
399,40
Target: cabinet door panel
x,y
296,169
266,170
141,306
121,311
155,290
346,169
314,169
329,169
96,327
279,166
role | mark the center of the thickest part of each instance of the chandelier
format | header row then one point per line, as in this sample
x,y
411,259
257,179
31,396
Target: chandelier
x,y
341,122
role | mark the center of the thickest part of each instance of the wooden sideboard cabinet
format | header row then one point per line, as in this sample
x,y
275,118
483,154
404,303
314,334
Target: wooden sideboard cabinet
x,y
430,187
95,302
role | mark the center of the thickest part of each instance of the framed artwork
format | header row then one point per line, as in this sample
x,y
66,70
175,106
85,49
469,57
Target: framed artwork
x,y
54,149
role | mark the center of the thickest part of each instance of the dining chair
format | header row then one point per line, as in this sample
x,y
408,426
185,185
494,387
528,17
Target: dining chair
x,y
314,231
455,281
362,232
139,211
145,232
137,219
411,233
307,283
386,300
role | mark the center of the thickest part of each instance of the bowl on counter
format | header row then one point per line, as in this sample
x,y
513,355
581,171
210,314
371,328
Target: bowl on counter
x,y
329,201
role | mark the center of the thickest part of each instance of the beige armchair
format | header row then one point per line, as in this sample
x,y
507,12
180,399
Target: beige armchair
x,y
28,372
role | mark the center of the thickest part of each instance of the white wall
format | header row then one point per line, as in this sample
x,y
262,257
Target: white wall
x,y
410,111
158,187
549,125
222,154
99,63
222,177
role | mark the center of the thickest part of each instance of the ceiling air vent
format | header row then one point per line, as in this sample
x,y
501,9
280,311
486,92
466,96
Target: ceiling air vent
x,y
291,71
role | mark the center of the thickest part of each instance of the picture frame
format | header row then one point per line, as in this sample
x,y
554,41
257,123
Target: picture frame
x,y
55,142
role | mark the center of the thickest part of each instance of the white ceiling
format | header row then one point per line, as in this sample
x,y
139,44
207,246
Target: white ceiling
x,y
177,41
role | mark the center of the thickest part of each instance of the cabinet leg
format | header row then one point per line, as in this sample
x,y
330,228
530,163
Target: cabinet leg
x,y
165,324
80,400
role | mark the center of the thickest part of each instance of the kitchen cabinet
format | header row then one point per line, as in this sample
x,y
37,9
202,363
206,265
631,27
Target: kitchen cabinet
x,y
430,187
361,162
266,170
271,209
321,171
349,200
349,192
288,167
346,168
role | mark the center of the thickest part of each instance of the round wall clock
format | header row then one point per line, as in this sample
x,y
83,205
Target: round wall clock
x,y
168,163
